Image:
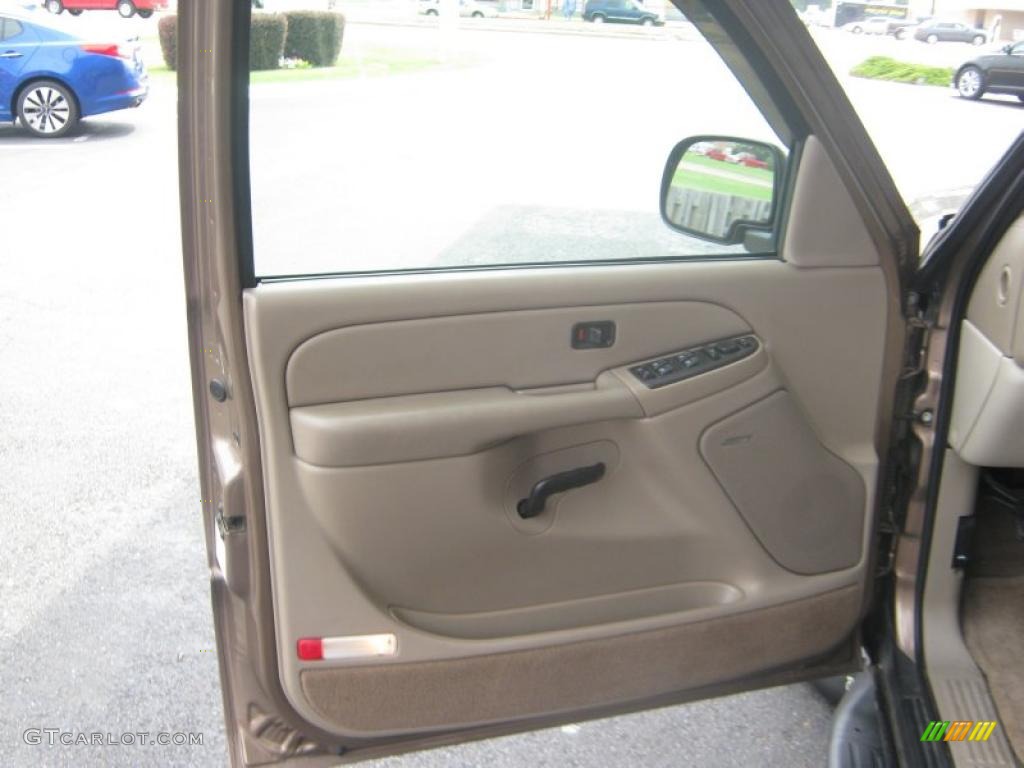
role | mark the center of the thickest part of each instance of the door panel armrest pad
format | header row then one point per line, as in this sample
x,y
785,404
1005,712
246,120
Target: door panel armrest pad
x,y
440,424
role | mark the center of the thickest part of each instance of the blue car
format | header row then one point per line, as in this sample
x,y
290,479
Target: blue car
x,y
51,77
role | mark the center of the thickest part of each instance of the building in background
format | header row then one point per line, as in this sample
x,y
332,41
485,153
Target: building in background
x,y
1004,19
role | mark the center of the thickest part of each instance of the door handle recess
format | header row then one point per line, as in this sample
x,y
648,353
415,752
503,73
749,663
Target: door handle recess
x,y
11,55
533,505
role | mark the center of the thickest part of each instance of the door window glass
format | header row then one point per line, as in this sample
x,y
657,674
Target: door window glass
x,y
373,162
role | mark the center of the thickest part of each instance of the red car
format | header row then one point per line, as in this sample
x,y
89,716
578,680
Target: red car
x,y
125,8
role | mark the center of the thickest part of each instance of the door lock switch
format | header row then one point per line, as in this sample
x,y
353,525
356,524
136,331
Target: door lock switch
x,y
593,335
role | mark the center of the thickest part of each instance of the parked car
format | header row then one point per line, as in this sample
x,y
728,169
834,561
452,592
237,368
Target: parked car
x,y
1001,72
883,25
752,161
901,28
950,32
51,77
873,25
125,8
627,11
467,8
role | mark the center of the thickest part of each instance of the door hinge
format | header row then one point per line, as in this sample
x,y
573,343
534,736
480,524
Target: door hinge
x,y
926,416
887,535
228,524
919,328
917,311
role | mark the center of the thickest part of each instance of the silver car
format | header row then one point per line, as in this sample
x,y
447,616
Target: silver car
x,y
467,8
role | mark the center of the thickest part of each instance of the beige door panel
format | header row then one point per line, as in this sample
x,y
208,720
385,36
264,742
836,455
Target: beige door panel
x,y
519,350
391,500
833,373
456,423
657,518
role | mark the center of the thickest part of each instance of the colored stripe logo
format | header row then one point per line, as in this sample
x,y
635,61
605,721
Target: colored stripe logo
x,y
958,730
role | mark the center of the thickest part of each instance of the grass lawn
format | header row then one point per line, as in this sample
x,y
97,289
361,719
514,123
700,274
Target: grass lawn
x,y
724,178
721,186
374,62
760,174
885,68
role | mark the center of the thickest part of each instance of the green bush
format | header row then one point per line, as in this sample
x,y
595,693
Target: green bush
x,y
314,36
885,68
266,45
266,40
168,28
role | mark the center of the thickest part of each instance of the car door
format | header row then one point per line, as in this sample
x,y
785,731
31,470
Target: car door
x,y
616,9
457,498
1007,71
16,47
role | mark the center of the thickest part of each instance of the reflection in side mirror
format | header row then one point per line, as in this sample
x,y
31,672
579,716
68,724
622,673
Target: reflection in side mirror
x,y
720,188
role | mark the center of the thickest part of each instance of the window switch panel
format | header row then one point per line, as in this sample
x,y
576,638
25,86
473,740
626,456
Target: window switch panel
x,y
694,361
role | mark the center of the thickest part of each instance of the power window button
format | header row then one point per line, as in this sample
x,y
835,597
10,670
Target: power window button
x,y
687,361
643,372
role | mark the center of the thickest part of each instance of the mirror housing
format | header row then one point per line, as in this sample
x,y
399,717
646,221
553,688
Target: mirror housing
x,y
721,188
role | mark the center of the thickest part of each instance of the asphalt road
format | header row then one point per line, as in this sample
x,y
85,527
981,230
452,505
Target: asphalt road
x,y
104,610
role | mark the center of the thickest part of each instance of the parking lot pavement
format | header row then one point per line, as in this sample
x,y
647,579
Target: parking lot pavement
x,y
104,608
778,727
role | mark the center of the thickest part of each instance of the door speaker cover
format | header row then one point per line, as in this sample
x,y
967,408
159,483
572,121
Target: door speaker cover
x,y
803,503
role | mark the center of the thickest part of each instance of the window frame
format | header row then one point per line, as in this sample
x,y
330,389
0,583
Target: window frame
x,y
6,22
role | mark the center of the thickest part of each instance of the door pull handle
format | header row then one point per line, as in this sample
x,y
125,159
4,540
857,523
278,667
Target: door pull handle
x,y
533,504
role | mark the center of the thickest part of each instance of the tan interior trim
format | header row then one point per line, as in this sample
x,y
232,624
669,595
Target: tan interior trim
x,y
824,228
804,505
406,698
434,425
330,525
996,308
988,420
524,349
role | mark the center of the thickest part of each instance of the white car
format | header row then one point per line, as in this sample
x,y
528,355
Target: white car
x,y
467,8
873,25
